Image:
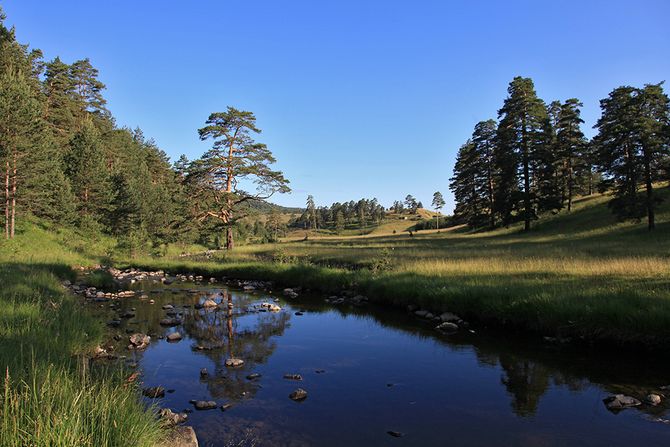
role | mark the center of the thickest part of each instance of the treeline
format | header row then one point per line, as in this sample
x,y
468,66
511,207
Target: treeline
x,y
339,216
63,158
536,159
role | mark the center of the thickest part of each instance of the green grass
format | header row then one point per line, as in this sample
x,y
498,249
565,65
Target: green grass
x,y
50,395
575,274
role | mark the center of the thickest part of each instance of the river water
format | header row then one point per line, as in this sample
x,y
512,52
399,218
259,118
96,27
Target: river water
x,y
370,371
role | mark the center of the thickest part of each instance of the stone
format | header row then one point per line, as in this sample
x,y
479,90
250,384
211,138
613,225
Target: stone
x,y
168,307
170,322
293,376
174,337
234,363
203,373
395,434
447,326
449,317
253,376
299,313
652,399
139,341
209,303
182,436
171,418
298,395
421,313
620,402
204,404
227,406
154,392
412,307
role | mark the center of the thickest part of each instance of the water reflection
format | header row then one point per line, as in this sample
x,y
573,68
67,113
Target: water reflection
x,y
466,383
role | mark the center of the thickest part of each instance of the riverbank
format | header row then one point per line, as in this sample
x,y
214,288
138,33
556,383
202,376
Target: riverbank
x,y
577,275
51,393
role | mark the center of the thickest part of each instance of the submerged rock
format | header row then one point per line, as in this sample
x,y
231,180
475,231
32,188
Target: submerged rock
x,y
203,373
298,395
170,322
154,392
620,402
227,406
253,376
395,434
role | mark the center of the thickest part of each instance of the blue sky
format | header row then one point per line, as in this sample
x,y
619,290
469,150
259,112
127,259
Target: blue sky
x,y
355,98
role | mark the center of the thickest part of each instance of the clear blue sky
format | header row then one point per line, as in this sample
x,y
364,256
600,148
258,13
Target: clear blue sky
x,y
355,98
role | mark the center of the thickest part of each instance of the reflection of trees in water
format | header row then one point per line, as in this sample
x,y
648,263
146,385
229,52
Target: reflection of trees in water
x,y
526,381
217,331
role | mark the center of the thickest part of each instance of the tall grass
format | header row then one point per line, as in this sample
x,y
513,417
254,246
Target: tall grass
x,y
50,395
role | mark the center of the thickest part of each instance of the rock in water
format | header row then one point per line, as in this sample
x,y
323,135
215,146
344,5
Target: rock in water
x,y
447,326
253,376
154,392
180,437
234,363
139,341
298,395
169,322
620,402
652,399
293,376
173,337
227,406
209,303
395,434
172,418
204,404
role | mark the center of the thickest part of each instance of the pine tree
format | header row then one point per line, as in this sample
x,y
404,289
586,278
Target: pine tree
x,y
632,142
468,202
88,175
522,132
484,141
438,204
234,157
571,148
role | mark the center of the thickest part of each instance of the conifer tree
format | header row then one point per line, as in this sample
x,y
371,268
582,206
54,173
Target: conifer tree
x,y
438,204
571,147
522,132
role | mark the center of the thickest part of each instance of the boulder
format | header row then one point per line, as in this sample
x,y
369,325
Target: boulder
x,y
170,418
449,317
209,303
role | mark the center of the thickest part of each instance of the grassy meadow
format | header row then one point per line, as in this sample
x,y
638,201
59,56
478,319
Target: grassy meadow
x,y
575,274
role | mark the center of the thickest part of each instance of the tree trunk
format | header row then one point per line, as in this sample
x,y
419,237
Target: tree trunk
x,y
7,201
570,184
526,178
11,235
650,195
